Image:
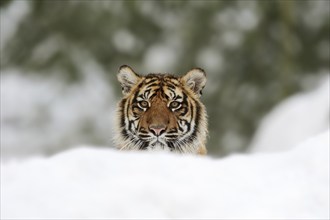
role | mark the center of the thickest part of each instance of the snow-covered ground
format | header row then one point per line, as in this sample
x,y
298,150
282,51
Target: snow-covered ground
x,y
294,119
43,115
103,183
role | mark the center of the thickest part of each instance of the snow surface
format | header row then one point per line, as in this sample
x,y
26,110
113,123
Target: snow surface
x,y
103,183
294,119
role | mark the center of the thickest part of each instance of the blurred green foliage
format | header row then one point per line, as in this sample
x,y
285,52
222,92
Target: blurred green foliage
x,y
3,3
255,53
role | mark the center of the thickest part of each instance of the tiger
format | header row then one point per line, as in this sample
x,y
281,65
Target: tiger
x,y
162,112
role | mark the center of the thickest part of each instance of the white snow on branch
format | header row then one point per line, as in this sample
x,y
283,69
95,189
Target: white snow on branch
x,y
10,19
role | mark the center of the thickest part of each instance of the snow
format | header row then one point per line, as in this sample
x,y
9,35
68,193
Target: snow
x,y
46,115
10,19
160,57
89,182
210,58
125,41
317,14
294,119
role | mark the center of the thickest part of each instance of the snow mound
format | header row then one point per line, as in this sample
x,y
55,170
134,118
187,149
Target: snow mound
x,y
104,183
293,120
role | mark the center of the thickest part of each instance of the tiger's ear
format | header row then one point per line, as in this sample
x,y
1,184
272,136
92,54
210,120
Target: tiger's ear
x,y
195,79
127,78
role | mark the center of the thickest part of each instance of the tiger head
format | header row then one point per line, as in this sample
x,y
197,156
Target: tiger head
x,y
162,111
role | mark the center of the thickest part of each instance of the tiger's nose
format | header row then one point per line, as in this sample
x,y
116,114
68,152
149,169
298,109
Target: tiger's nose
x,y
157,129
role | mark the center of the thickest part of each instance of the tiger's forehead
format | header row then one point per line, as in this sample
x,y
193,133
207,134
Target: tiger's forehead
x,y
162,79
163,83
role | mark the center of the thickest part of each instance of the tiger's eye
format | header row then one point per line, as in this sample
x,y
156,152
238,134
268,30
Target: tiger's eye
x,y
144,104
174,104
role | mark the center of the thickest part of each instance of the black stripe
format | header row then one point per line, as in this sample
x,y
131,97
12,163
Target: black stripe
x,y
122,113
144,146
154,84
198,117
144,136
151,81
170,86
170,145
171,136
146,93
173,131
177,97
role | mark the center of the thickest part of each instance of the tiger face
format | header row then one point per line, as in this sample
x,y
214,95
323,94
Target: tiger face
x,y
162,112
